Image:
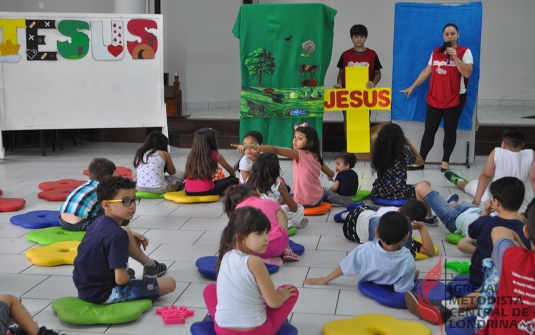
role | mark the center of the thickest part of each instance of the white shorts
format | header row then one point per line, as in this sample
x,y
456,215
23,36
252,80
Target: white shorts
x,y
471,188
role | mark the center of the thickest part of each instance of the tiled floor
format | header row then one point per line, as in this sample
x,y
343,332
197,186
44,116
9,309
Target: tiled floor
x,y
179,234
488,115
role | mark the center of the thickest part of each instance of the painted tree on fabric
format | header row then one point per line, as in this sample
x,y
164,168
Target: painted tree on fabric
x,y
260,62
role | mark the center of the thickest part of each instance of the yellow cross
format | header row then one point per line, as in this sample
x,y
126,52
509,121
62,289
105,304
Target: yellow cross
x,y
357,100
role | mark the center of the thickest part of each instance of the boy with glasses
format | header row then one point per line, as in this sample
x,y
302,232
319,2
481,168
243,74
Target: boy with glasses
x,y
101,272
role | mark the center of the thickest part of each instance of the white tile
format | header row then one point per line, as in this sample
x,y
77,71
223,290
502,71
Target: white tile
x,y
321,301
52,288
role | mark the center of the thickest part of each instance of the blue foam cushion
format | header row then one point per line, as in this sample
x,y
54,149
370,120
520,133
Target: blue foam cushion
x,y
461,285
206,266
36,219
387,202
464,327
206,327
297,248
385,294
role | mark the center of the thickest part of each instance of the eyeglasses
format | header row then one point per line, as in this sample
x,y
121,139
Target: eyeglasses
x,y
126,201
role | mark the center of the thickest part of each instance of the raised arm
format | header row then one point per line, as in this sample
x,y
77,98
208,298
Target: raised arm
x,y
285,152
226,165
421,78
485,178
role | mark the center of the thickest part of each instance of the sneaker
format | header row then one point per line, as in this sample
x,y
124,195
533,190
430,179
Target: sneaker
x,y
302,224
430,310
454,177
155,271
273,261
44,331
452,198
131,273
432,221
340,217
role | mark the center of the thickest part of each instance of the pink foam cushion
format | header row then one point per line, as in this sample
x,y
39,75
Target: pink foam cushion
x,y
63,183
11,204
119,171
57,194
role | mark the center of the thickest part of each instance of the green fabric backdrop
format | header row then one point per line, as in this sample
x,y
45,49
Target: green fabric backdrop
x,y
292,75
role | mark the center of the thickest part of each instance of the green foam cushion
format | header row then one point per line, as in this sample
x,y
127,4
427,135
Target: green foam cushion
x,y
361,195
80,312
292,230
149,195
453,238
52,235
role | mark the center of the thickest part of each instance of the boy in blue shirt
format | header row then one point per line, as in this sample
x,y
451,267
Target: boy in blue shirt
x,y
101,272
397,265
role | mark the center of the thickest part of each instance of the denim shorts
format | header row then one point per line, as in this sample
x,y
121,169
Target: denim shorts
x,y
5,317
135,290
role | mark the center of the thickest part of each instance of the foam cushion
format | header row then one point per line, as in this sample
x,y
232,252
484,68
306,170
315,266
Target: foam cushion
x,y
206,327
361,195
53,235
149,195
419,255
388,202
55,254
323,208
297,248
385,294
62,183
11,204
206,266
464,327
80,312
292,230
366,324
460,267
453,238
182,197
119,171
36,219
461,285
57,194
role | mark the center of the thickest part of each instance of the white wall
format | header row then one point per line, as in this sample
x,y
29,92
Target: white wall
x,y
199,42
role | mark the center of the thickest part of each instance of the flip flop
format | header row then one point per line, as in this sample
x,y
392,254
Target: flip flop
x,y
290,257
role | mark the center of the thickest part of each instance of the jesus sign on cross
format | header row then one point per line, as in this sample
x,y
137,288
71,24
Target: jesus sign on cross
x,y
357,100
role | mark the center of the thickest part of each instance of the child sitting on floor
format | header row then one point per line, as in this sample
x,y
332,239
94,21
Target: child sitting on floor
x,y
265,177
307,164
383,261
245,299
361,222
508,160
202,163
101,272
346,182
152,161
391,155
245,163
81,208
247,195
11,307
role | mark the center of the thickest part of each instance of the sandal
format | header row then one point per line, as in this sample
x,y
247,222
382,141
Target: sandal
x,y
289,255
273,261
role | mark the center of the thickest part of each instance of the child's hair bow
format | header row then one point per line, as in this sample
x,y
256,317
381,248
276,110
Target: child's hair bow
x,y
300,125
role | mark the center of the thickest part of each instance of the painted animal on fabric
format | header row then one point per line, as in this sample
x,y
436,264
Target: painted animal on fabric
x,y
268,90
309,83
308,68
253,107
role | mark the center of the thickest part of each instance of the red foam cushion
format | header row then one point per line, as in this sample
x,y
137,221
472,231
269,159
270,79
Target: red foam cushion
x,y
57,194
323,208
63,183
119,171
11,204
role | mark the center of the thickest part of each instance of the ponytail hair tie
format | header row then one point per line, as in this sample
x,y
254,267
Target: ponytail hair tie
x,y
300,125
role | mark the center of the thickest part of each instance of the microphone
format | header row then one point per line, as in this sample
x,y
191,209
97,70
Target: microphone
x,y
447,45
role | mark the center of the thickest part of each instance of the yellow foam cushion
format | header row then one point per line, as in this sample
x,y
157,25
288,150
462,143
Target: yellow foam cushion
x,y
55,254
182,197
419,255
323,208
367,324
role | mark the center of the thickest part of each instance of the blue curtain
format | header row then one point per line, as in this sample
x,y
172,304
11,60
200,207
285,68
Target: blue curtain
x,y
417,31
